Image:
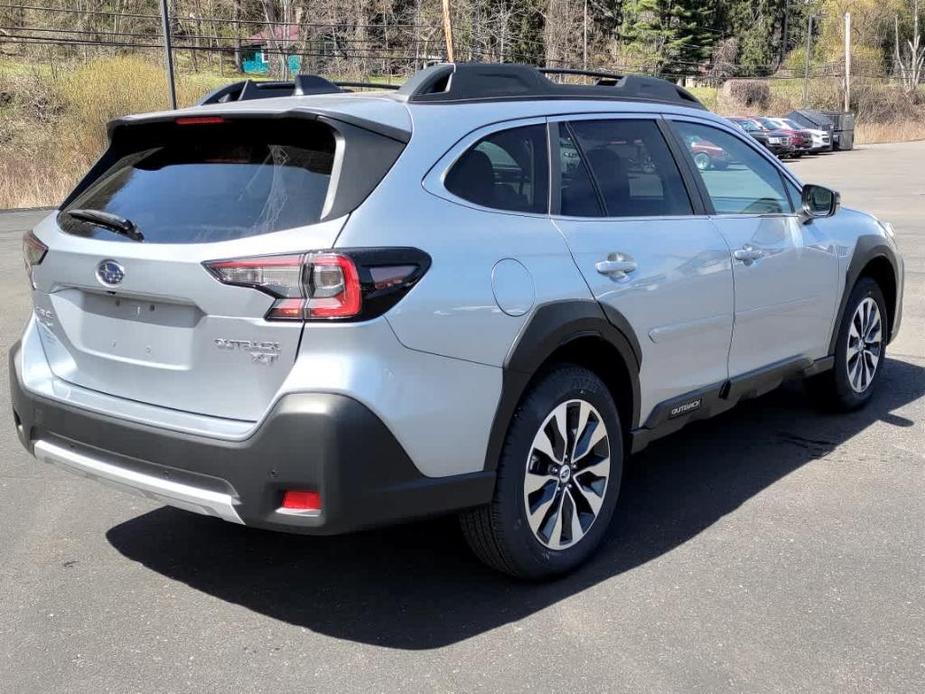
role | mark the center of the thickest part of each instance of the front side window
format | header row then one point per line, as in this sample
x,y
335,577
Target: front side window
x,y
507,170
737,178
634,174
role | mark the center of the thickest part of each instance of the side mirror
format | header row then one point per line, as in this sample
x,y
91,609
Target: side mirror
x,y
819,201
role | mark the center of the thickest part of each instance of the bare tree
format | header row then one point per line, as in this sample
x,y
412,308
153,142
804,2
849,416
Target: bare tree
x,y
911,63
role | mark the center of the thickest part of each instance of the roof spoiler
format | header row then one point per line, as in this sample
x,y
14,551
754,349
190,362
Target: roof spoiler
x,y
301,85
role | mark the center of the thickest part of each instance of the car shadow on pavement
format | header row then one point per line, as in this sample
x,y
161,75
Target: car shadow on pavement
x,y
417,586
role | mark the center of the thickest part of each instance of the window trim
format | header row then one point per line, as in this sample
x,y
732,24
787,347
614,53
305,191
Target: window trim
x,y
693,193
434,181
746,140
554,127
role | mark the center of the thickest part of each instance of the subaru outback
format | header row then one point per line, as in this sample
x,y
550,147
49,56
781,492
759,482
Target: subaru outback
x,y
304,309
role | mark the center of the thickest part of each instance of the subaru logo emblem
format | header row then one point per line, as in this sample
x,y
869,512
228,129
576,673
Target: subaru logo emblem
x,y
110,273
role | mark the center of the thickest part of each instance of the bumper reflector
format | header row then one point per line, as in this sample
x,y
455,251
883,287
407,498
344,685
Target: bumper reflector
x,y
301,501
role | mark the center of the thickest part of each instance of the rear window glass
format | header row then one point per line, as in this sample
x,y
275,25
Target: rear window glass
x,y
214,183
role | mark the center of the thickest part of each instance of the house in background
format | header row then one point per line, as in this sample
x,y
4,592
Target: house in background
x,y
258,52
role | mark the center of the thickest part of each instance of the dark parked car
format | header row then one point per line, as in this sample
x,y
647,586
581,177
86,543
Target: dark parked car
x,y
777,142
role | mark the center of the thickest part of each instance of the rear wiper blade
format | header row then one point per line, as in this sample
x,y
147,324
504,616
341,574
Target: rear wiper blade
x,y
113,222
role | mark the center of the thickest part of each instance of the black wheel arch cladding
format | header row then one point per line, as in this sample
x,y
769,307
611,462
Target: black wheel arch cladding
x,y
868,249
551,328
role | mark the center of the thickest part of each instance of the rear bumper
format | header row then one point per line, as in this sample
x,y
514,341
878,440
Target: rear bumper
x,y
319,441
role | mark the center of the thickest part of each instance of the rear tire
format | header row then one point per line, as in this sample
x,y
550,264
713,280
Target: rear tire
x,y
860,349
558,479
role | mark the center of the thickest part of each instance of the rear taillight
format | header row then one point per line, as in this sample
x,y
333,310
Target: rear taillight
x,y
33,253
327,285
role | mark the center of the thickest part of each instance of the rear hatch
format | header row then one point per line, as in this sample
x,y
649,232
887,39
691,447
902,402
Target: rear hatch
x,y
126,306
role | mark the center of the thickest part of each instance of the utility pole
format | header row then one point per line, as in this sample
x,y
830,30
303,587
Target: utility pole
x,y
168,55
783,38
847,61
809,42
584,51
448,31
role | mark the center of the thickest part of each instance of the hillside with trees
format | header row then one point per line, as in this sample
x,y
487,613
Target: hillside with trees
x,y
68,66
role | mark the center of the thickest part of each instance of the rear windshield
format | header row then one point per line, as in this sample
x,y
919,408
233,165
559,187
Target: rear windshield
x,y
208,183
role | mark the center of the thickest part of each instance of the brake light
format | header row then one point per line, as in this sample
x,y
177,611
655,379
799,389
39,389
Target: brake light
x,y
33,253
200,120
327,285
335,287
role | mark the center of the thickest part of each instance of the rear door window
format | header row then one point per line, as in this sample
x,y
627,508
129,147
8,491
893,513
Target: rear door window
x,y
507,170
214,183
632,167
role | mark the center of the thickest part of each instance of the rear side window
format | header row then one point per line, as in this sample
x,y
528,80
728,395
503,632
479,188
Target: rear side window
x,y
214,183
632,167
507,170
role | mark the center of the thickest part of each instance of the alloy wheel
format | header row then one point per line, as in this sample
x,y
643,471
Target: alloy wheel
x,y
865,345
702,161
566,475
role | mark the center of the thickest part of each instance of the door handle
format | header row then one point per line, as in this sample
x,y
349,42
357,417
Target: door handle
x,y
747,254
617,265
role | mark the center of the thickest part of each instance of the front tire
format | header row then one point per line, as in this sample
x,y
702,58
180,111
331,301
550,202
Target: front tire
x,y
860,349
558,479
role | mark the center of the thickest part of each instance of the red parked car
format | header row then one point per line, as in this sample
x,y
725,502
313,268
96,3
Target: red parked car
x,y
708,155
801,140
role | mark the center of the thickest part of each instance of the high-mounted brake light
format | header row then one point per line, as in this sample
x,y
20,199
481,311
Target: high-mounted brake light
x,y
199,120
33,253
327,285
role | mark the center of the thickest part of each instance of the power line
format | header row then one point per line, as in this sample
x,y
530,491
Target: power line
x,y
262,22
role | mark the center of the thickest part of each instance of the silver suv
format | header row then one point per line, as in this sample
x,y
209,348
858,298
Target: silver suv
x,y
325,310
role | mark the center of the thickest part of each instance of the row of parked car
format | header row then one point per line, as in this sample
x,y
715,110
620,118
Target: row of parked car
x,y
801,132
785,137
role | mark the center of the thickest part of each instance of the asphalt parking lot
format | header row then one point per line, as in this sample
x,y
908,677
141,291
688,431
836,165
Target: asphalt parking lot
x,y
770,549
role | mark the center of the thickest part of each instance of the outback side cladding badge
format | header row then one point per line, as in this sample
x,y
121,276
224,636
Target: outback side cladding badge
x,y
110,273
685,408
265,353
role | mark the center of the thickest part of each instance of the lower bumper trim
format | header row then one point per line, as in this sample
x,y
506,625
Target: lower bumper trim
x,y
189,498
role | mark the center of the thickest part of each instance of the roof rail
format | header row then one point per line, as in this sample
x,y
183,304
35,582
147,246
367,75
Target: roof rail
x,y
350,86
583,73
301,85
473,82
